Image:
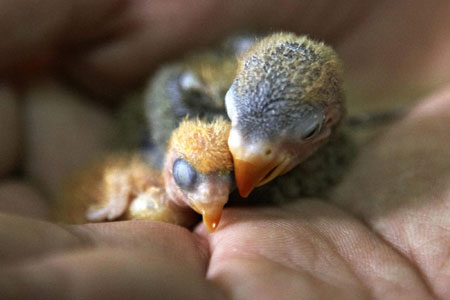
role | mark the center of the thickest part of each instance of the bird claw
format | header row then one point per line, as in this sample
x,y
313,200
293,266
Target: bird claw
x,y
117,194
97,214
148,205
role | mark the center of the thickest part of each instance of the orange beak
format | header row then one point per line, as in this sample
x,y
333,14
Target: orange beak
x,y
211,215
256,164
211,220
210,199
249,175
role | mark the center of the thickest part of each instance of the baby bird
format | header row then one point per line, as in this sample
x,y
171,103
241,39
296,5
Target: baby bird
x,y
197,174
194,86
284,104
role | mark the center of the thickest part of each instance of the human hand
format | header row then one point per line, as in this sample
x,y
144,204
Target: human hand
x,y
388,48
392,242
308,249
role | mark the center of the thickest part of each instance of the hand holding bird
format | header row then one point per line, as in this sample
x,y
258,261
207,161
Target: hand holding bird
x,y
309,250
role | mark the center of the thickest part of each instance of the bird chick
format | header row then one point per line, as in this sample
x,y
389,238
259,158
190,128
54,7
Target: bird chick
x,y
197,174
284,104
194,86
198,169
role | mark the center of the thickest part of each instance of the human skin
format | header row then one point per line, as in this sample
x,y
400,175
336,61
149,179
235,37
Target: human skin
x,y
384,233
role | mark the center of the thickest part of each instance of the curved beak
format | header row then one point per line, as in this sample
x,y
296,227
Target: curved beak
x,y
210,199
256,164
254,171
211,214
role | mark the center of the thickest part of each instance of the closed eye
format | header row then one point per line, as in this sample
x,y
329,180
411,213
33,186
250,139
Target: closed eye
x,y
313,132
184,175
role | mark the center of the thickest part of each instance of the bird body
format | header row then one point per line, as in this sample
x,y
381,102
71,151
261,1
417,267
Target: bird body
x,y
314,177
289,122
284,104
120,186
192,87
197,174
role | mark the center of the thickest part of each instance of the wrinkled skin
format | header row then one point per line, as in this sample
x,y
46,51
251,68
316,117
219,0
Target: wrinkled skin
x,y
384,234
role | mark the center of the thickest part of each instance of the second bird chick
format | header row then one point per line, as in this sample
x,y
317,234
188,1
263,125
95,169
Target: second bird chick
x,y
193,87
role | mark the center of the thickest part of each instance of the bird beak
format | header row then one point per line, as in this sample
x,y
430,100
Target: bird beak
x,y
211,200
211,215
254,171
258,163
254,164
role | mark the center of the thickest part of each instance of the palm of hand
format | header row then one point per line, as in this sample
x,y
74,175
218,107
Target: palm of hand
x,y
395,243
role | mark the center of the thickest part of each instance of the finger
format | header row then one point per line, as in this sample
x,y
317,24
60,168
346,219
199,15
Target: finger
x,y
165,239
45,24
22,199
164,31
10,134
308,250
390,59
400,185
139,259
161,32
25,238
63,131
106,274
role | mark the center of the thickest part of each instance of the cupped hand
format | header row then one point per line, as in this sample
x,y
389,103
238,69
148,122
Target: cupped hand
x,y
384,234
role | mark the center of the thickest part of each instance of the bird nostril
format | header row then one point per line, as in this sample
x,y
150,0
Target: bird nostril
x,y
268,152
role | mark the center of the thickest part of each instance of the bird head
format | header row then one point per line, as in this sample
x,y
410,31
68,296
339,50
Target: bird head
x,y
204,79
198,169
284,103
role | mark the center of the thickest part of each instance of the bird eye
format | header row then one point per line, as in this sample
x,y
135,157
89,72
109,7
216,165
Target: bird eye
x,y
185,176
189,82
193,92
312,132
